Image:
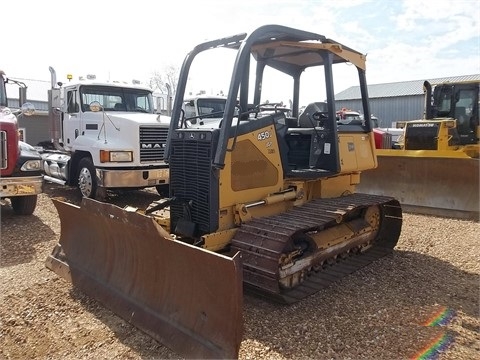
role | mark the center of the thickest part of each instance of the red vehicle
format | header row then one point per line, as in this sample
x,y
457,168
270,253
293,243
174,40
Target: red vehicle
x,y
21,178
346,116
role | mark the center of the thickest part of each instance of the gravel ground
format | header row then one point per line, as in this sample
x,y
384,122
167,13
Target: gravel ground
x,y
384,311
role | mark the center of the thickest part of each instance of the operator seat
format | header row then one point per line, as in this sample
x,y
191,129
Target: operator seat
x,y
304,120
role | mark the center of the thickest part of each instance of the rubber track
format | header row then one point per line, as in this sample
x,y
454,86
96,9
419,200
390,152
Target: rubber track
x,y
263,240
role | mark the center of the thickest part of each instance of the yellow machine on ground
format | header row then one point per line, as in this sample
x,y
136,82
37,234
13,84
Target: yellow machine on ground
x,y
436,169
256,200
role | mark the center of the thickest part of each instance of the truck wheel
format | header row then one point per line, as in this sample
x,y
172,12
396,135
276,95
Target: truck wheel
x,y
87,178
163,190
24,205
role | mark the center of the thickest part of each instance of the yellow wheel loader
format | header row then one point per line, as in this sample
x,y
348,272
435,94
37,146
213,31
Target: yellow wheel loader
x,y
436,169
263,200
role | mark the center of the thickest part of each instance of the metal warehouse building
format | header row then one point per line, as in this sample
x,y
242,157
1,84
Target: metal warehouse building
x,y
393,102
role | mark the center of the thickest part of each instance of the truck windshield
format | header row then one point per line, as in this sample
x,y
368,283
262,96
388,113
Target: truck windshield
x,y
117,98
211,108
352,116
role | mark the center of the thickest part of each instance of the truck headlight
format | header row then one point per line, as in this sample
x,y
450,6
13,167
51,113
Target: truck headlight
x,y
116,156
31,165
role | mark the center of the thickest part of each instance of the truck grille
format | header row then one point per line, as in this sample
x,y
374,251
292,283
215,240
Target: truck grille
x,y
387,141
3,150
152,143
192,181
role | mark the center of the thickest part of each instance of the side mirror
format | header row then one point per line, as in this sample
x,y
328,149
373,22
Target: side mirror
x,y
95,106
28,109
22,95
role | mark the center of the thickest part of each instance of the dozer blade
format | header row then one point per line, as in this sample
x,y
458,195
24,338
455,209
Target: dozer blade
x,y
439,186
187,298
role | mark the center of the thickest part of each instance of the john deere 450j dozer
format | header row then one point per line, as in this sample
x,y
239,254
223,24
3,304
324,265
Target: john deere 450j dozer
x,y
266,199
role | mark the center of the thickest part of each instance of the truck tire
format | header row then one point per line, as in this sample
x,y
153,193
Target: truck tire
x,y
87,178
24,205
163,190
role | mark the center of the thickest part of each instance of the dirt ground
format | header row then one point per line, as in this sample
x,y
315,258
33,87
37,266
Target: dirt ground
x,y
423,300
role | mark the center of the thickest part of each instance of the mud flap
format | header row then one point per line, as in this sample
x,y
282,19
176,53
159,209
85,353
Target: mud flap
x,y
427,185
187,298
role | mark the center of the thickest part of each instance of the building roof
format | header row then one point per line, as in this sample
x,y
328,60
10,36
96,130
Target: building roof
x,y
404,88
36,89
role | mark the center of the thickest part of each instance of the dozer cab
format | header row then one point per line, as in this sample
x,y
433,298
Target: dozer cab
x,y
257,202
436,169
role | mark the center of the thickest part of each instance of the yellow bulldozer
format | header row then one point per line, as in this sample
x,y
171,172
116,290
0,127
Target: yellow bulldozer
x,y
435,170
257,203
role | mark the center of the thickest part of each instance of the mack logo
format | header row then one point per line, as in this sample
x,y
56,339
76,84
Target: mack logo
x,y
153,146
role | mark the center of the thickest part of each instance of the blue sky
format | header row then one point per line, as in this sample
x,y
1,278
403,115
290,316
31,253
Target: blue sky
x,y
403,40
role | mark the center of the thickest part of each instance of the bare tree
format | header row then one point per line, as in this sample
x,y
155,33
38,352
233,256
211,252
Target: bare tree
x,y
166,81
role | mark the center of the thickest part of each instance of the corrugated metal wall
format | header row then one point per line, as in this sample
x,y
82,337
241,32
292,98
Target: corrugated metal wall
x,y
391,109
39,105
36,128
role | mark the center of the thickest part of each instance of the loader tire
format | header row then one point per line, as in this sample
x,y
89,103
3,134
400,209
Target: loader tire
x,y
24,205
87,178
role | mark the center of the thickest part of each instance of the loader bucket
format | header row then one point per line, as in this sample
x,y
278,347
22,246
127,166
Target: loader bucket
x,y
187,298
441,186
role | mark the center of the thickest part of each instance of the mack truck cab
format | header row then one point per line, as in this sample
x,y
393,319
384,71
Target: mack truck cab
x,y
21,177
105,135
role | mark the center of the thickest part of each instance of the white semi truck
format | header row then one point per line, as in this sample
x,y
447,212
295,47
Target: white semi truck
x,y
105,135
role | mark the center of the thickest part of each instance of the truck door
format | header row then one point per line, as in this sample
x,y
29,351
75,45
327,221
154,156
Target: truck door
x,y
72,118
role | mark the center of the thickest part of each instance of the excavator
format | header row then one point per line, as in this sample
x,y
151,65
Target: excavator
x,y
258,203
435,170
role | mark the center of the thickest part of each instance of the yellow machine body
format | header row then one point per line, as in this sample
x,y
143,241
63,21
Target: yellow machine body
x,y
435,169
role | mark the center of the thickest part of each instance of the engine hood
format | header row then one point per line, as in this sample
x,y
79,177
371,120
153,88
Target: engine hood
x,y
139,118
7,116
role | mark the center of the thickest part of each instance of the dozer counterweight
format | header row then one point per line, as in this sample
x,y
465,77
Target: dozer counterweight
x,y
265,197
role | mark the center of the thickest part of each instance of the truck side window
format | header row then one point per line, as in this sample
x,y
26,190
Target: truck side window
x,y
190,110
72,105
